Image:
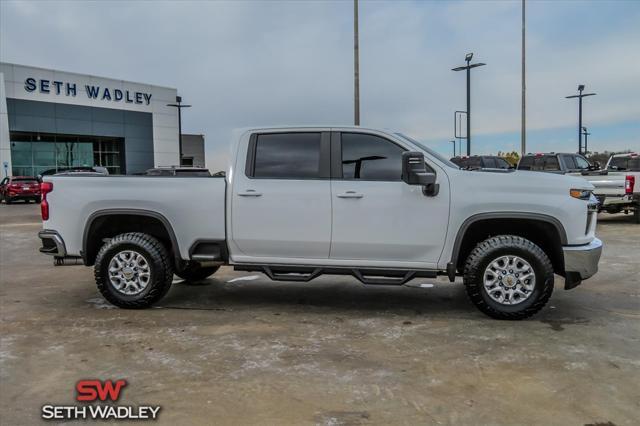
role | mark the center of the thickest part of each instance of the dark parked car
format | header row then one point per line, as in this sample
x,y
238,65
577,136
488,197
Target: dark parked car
x,y
16,188
475,162
177,171
562,163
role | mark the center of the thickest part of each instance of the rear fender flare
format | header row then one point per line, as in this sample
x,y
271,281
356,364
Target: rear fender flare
x,y
175,248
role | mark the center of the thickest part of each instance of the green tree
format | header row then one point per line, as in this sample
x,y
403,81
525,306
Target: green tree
x,y
511,157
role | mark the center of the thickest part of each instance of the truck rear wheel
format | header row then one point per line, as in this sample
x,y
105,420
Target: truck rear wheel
x,y
133,270
508,277
195,272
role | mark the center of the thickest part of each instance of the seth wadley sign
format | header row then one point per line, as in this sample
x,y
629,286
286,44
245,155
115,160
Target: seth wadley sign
x,y
92,92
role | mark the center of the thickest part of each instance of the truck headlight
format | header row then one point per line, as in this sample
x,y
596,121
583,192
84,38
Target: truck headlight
x,y
581,194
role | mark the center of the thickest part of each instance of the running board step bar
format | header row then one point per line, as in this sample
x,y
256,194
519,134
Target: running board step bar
x,y
370,276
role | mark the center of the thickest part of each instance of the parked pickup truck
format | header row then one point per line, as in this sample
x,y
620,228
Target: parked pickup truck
x,y
618,186
557,162
614,187
297,203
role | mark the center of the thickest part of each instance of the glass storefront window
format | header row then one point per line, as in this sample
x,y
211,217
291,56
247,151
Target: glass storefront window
x,y
43,154
33,153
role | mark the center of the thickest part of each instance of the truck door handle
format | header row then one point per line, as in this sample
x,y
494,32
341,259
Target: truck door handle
x,y
350,194
250,193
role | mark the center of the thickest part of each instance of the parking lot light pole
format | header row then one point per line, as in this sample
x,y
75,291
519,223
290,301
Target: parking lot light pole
x,y
356,66
468,67
580,95
179,105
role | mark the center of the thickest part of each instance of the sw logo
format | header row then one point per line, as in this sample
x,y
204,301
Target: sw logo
x,y
90,390
98,398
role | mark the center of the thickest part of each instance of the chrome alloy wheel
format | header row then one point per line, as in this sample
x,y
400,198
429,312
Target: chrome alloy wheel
x,y
129,272
509,280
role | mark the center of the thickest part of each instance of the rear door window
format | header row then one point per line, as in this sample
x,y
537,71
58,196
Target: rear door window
x,y
287,156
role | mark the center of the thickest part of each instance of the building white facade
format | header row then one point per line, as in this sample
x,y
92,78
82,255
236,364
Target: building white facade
x,y
56,119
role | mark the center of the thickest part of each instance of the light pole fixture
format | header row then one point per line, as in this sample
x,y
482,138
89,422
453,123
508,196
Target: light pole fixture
x,y
580,95
179,105
468,67
356,66
586,145
523,109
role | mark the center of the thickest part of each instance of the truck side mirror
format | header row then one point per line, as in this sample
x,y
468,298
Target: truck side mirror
x,y
414,172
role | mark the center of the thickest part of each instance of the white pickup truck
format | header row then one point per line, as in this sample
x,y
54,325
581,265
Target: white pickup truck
x,y
299,202
617,187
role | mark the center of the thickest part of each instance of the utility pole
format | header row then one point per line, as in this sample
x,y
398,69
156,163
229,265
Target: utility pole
x,y
580,95
468,67
523,137
179,105
356,66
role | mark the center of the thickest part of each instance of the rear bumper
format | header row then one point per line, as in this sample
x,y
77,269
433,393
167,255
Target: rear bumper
x,y
581,262
23,195
52,243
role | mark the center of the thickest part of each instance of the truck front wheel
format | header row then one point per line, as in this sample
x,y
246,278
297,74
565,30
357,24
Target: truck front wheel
x,y
133,270
195,272
508,277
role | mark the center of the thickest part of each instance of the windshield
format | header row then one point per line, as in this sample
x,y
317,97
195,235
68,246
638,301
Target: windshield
x,y
629,163
431,152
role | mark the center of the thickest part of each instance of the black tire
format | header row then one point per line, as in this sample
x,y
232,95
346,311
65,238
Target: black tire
x,y
37,200
8,200
489,250
636,214
157,257
195,272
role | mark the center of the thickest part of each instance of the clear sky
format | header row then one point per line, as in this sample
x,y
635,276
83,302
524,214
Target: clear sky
x,y
266,62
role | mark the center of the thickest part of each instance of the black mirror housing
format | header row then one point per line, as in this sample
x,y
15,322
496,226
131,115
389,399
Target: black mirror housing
x,y
414,172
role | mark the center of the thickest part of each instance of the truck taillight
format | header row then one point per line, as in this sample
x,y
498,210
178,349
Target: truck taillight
x,y
629,183
45,188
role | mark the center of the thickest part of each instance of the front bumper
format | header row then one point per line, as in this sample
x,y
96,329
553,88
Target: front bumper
x,y
581,262
52,243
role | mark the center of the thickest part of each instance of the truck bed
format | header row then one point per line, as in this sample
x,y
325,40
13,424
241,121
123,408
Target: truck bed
x,y
611,184
193,206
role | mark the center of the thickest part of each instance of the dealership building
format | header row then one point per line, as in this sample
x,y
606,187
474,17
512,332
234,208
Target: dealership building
x,y
55,119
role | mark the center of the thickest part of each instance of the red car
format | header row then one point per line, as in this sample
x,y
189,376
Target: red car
x,y
20,188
